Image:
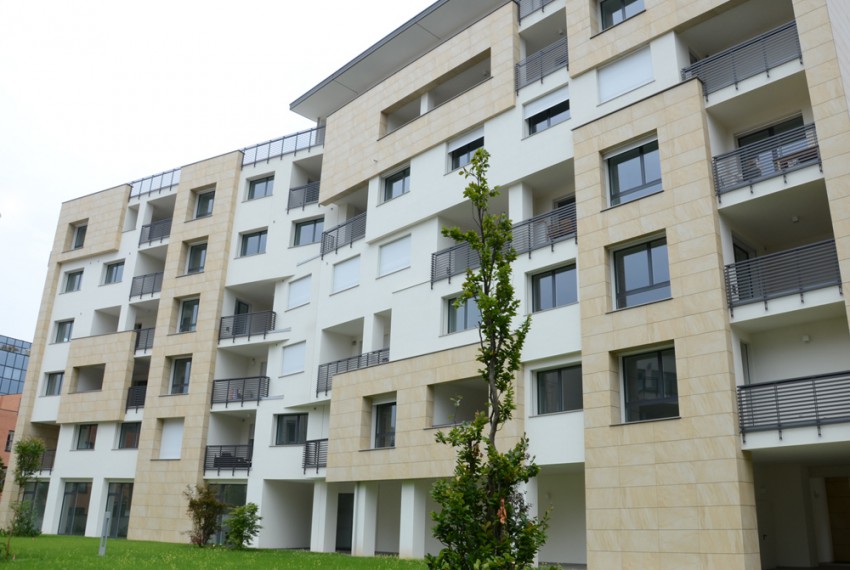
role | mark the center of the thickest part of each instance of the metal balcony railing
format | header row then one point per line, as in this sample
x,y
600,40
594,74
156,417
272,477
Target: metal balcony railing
x,y
300,196
158,182
228,457
146,285
48,458
365,360
528,7
315,454
155,231
240,390
452,261
798,402
144,339
747,59
303,140
538,65
344,234
773,156
790,272
136,397
247,324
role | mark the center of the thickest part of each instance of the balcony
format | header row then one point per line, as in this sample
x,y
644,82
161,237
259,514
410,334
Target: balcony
x,y
247,324
240,390
534,233
144,339
228,458
798,402
161,182
344,234
748,59
155,231
146,285
136,397
304,140
327,370
773,156
301,196
790,272
48,458
538,65
315,454
528,7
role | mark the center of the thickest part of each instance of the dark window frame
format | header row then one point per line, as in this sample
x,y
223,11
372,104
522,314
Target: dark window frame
x,y
662,389
261,187
204,204
181,373
396,184
129,435
189,323
462,155
114,273
313,233
78,239
86,437
64,331
662,287
385,427
556,390
282,433
53,383
10,438
73,281
618,11
247,249
646,187
538,295
548,118
193,264
459,318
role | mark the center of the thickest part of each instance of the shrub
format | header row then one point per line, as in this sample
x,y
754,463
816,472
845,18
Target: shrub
x,y
204,509
243,524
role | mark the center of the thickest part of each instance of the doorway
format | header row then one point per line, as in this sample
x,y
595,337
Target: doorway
x,y
344,521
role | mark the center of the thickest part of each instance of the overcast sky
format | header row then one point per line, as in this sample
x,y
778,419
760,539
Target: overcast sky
x,y
97,93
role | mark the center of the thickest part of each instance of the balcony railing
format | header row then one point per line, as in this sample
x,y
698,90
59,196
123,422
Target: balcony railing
x,y
538,65
48,458
300,196
748,59
528,7
240,390
790,272
773,156
247,324
798,402
158,182
155,231
146,285
136,397
315,454
540,231
344,234
327,370
144,339
288,144
228,457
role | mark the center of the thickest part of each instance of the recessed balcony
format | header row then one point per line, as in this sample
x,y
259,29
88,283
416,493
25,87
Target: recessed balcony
x,y
149,284
542,63
48,458
136,397
144,339
156,231
224,458
233,391
289,144
247,325
315,455
301,196
329,369
344,234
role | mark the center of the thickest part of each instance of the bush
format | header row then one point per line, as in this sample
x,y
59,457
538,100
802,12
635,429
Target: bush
x,y
204,509
23,520
243,524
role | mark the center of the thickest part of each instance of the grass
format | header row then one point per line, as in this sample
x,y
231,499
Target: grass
x,y
51,551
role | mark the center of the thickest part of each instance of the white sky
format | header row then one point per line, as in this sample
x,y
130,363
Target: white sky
x,y
97,93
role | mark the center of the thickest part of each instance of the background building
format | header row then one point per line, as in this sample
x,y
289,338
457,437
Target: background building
x,y
278,321
14,359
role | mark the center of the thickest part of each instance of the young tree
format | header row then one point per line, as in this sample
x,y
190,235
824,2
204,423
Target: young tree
x,y
204,509
28,453
484,521
243,524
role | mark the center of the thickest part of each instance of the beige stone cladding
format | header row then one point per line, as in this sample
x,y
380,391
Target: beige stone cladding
x,y
354,148
674,493
158,504
416,454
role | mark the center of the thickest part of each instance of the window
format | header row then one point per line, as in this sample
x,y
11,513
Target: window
x,y
204,205
53,383
293,358
197,258
385,425
128,438
188,315
634,173
253,243
462,155
651,390
394,256
86,436
616,11
79,237
547,111
346,274
181,370
171,438
642,273
291,429
114,273
464,317
73,280
559,390
10,437
63,330
309,231
625,74
299,293
554,288
260,188
397,184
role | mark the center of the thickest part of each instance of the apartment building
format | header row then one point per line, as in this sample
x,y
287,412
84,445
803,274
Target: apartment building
x,y
14,360
278,321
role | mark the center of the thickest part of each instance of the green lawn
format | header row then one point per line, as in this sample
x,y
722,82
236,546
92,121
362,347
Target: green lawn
x,y
76,552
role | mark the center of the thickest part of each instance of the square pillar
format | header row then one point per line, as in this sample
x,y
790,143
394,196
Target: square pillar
x,y
365,518
412,527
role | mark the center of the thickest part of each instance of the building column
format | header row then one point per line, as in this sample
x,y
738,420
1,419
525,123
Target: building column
x,y
531,499
412,528
365,518
520,202
323,526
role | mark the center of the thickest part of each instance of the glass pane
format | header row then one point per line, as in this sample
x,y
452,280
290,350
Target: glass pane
x,y
633,7
635,269
543,298
572,388
565,287
652,162
626,171
660,263
548,392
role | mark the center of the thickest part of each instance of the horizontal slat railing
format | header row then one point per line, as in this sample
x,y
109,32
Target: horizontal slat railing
x,y
365,360
538,65
315,454
155,231
156,183
144,339
344,234
247,324
146,285
48,458
798,402
240,390
136,397
773,156
228,457
301,196
747,59
303,140
528,7
790,272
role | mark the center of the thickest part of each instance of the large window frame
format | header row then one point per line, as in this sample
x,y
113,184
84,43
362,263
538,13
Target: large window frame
x,y
463,317
86,437
462,155
613,12
642,273
396,184
188,315
261,187
181,372
114,273
634,173
290,429
78,239
253,243
204,204
308,232
53,383
64,330
559,390
196,258
128,437
650,385
554,288
73,281
384,425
